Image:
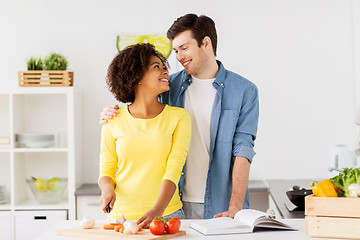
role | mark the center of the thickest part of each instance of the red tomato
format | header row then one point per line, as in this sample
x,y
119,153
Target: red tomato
x,y
173,225
157,227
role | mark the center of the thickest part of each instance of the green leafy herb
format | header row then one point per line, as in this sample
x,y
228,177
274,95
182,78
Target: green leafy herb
x,y
344,179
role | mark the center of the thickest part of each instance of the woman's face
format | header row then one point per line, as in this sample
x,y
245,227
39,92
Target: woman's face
x,y
156,78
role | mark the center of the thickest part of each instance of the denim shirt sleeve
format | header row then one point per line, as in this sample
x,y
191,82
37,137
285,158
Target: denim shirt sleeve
x,y
246,128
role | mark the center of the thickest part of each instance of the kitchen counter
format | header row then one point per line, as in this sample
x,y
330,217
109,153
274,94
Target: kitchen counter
x,y
278,190
192,234
93,189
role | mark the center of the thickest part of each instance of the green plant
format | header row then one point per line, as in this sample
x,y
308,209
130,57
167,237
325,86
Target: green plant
x,y
55,61
32,64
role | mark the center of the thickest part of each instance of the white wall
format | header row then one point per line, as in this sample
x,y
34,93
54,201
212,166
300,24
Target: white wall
x,y
300,53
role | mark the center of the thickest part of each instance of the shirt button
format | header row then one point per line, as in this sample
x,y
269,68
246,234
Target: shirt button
x,y
182,87
180,194
182,173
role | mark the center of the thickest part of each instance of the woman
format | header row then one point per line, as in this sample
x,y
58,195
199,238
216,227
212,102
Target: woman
x,y
143,148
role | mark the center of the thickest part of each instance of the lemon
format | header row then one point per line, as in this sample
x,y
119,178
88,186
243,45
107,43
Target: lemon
x,y
54,184
40,185
161,42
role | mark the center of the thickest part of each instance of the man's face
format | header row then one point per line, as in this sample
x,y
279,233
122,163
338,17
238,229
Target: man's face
x,y
188,53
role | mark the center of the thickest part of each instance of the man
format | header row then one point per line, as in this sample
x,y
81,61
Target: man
x,y
224,110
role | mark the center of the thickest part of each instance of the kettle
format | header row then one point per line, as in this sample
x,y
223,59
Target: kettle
x,y
341,157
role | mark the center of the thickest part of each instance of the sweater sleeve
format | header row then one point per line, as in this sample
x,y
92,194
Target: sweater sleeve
x,y
179,149
108,155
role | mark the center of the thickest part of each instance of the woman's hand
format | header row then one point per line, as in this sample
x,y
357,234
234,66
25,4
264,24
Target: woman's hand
x,y
108,197
146,219
107,113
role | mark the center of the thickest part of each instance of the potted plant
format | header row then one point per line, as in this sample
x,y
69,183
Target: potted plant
x,y
48,73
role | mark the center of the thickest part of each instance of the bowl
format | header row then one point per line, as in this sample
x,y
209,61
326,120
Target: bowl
x,y
297,196
47,191
35,140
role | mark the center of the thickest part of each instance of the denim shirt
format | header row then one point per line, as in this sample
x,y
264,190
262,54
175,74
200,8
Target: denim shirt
x,y
233,128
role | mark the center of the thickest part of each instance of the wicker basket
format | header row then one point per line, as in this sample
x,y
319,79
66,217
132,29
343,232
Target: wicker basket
x,y
46,78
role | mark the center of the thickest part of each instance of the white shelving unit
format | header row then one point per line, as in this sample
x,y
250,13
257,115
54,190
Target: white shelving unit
x,y
36,110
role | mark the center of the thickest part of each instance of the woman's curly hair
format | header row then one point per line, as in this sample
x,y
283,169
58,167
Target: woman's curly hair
x,y
128,68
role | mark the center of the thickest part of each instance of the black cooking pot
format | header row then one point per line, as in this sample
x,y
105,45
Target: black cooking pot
x,y
297,196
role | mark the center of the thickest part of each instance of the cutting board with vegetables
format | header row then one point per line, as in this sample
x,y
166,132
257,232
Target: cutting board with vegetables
x,y
99,233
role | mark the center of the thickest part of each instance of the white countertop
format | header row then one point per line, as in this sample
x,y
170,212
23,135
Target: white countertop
x,y
192,234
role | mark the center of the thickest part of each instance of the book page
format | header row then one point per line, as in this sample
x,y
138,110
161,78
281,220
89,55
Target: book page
x,y
259,219
249,216
222,225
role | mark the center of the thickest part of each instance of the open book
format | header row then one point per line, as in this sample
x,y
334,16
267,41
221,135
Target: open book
x,y
245,221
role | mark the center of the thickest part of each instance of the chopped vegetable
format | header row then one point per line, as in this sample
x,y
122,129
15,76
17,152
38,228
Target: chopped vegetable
x,y
324,189
345,179
130,227
87,223
109,226
118,227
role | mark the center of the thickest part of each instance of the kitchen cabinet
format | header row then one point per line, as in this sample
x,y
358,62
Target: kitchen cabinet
x,y
47,110
5,225
30,224
87,202
87,205
258,195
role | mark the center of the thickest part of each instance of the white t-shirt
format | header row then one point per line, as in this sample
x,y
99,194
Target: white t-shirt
x,y
199,99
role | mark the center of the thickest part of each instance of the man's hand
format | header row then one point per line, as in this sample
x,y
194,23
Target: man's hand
x,y
108,113
240,177
228,213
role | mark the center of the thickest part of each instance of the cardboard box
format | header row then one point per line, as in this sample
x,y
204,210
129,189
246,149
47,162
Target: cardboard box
x,y
332,217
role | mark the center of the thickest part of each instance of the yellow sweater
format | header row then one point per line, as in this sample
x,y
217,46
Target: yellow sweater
x,y
139,153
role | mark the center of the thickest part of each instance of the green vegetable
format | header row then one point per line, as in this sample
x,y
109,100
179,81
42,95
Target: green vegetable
x,y
55,61
345,179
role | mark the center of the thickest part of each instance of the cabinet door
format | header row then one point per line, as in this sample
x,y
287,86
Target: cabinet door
x,y
30,224
5,225
89,206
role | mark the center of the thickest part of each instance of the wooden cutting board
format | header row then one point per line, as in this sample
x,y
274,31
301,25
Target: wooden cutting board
x,y
99,233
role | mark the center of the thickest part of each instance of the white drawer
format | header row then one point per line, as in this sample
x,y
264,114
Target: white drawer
x,y
5,225
30,224
89,205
